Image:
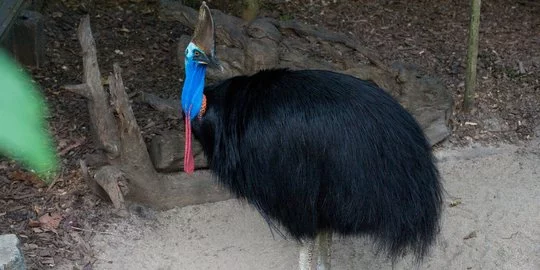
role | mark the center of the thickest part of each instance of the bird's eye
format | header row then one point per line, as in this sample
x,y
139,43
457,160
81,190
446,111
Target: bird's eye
x,y
196,53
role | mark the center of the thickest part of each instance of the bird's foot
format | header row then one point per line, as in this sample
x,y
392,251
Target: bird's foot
x,y
324,250
306,255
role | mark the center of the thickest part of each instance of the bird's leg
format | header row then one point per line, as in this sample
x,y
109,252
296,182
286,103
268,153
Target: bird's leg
x,y
306,254
324,250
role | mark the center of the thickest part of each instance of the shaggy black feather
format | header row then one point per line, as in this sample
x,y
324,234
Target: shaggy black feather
x,y
317,150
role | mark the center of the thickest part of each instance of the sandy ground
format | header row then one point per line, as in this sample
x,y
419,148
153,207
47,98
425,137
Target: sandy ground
x,y
496,226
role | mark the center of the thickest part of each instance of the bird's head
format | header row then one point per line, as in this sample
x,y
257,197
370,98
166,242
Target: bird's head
x,y
199,54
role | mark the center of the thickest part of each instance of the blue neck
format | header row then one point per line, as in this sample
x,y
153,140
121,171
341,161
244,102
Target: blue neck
x,y
192,91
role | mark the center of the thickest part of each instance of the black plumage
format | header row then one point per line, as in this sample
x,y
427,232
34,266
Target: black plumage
x,y
317,150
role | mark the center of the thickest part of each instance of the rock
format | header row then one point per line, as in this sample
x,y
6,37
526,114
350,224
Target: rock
x,y
376,75
425,97
167,152
264,28
232,60
11,256
261,54
265,43
230,29
294,55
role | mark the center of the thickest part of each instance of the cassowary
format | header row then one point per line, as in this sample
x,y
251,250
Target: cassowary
x,y
315,152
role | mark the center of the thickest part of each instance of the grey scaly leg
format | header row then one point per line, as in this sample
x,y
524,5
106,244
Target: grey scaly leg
x,y
324,250
306,254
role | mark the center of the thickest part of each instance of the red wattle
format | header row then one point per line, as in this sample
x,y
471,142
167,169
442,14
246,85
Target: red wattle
x,y
189,161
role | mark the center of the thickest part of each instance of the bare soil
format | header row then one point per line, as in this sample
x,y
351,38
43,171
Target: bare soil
x,y
488,223
430,34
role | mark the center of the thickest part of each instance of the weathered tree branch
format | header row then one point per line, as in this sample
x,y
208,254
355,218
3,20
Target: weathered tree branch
x,y
325,35
133,149
93,185
109,178
79,89
128,176
167,152
180,189
101,116
167,106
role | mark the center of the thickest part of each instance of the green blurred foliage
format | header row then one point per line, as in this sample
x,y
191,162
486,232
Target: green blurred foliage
x,y
23,130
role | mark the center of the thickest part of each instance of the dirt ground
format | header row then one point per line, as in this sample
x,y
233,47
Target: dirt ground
x,y
430,34
491,221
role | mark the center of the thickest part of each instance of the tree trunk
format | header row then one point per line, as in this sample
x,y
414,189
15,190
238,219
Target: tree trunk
x,y
472,56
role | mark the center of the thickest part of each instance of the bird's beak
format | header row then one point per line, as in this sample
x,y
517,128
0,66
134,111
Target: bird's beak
x,y
210,61
213,62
